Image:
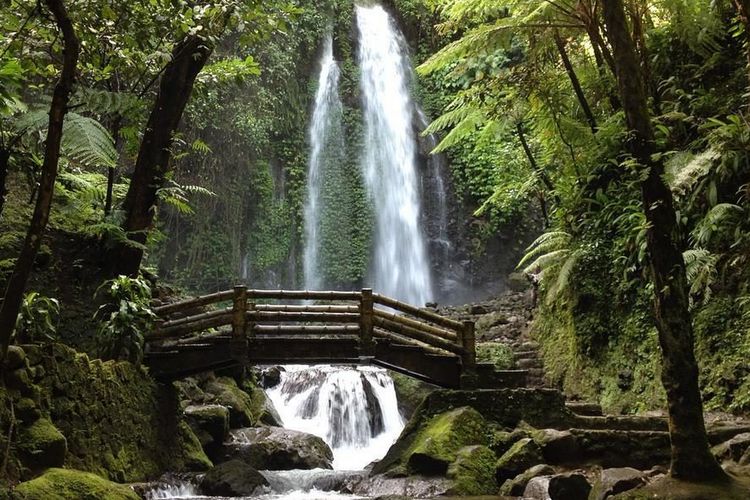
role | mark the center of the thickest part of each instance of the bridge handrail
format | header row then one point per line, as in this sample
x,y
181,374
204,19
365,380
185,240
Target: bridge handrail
x,y
248,318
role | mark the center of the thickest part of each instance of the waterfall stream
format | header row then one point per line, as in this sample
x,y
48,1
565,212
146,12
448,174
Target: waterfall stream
x,y
326,148
354,410
400,266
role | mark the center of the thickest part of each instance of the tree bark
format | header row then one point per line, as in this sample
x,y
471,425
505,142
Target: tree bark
x,y
576,84
153,162
691,458
4,164
17,283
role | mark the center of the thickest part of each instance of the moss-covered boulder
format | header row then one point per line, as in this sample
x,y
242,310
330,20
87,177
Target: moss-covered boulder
x,y
15,358
521,456
226,392
232,479
501,441
41,445
66,483
428,445
473,471
210,423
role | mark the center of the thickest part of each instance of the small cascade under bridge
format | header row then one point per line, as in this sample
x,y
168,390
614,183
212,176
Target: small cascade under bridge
x,y
260,327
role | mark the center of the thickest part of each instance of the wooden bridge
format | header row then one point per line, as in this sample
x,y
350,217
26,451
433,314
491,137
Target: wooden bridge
x,y
261,327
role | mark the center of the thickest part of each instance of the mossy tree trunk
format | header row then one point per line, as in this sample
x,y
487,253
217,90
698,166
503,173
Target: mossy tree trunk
x,y
17,282
691,458
153,162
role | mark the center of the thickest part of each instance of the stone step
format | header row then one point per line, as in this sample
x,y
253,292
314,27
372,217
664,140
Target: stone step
x,y
585,409
529,363
526,354
529,346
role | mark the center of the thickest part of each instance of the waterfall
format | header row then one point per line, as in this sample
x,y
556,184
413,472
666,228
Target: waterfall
x,y
354,410
400,267
327,147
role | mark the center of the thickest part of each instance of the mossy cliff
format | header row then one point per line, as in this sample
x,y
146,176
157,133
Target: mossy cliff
x,y
109,418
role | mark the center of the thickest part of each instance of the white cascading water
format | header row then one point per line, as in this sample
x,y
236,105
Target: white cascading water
x,y
400,267
326,142
354,410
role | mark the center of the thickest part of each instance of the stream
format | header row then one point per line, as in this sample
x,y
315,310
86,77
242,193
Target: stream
x,y
353,409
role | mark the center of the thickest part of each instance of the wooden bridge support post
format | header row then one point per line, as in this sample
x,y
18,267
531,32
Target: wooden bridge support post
x,y
467,338
239,322
366,322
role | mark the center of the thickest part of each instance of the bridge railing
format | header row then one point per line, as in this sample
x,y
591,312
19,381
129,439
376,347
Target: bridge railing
x,y
363,314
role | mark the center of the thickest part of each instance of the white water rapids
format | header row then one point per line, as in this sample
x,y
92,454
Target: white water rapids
x,y
353,409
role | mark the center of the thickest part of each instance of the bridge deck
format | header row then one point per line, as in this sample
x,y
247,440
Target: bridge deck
x,y
431,348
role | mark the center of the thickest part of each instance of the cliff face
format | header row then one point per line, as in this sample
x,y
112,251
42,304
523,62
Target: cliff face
x,y
109,417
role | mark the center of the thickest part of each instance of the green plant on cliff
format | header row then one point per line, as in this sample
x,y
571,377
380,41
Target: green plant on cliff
x,y
37,318
125,318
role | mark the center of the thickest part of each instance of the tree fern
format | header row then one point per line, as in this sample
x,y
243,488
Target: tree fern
x,y
84,139
553,257
701,271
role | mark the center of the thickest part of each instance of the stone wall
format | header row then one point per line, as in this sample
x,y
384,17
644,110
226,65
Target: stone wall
x,y
110,418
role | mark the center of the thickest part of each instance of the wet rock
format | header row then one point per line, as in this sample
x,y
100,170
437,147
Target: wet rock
x,y
521,456
617,480
571,486
270,377
41,445
67,483
732,449
15,357
225,392
537,488
473,471
276,448
503,440
380,486
516,486
487,321
558,447
268,414
232,479
477,309
745,460
210,423
374,411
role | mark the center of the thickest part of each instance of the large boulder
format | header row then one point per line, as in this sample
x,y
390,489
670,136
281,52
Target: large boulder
x,y
438,443
734,448
558,447
616,480
473,471
67,483
225,392
232,479
570,486
209,422
41,445
521,456
278,449
515,487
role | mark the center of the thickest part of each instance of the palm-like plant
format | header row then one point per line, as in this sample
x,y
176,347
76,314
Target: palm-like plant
x,y
552,257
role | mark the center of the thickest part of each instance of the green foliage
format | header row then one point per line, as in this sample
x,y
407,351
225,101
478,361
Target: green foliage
x,y
124,318
37,319
499,354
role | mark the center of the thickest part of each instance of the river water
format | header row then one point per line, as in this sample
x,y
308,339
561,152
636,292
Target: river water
x,y
353,409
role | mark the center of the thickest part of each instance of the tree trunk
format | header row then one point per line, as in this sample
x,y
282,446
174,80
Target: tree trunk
x,y
58,108
691,458
153,162
576,84
637,9
4,160
111,171
743,11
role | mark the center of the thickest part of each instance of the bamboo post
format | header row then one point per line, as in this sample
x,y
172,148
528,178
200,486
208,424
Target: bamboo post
x,y
469,357
468,342
239,308
366,344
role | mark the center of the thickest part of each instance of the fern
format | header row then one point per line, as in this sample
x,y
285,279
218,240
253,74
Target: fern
x,y
701,271
718,220
84,139
553,258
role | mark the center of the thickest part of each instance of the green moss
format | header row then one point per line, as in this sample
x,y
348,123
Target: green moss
x,y
473,472
65,483
497,353
41,445
243,411
437,443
